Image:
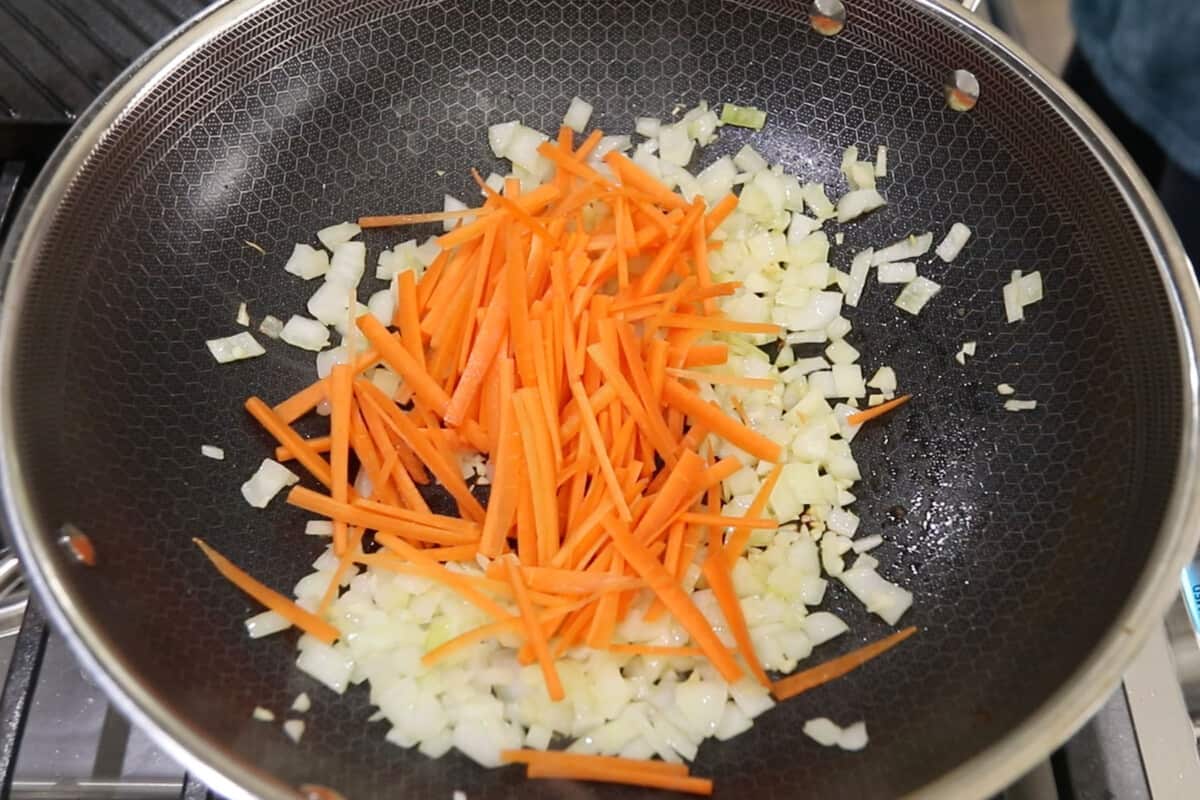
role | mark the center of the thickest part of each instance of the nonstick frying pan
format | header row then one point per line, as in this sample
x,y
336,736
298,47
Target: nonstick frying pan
x,y
1041,546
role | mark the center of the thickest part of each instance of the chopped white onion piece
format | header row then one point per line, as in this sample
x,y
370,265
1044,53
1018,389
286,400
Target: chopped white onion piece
x,y
234,348
916,294
879,595
1013,311
841,352
578,114
896,272
402,257
265,624
305,333
853,205
302,703
318,527
382,305
500,137
853,737
867,543
881,163
266,482
1020,405
913,246
674,144
212,451
748,160
452,203
859,269
337,234
849,156
329,664
647,126
817,201
263,714
347,265
307,262
294,728
969,348
271,326
822,731
1005,389
243,315
955,241
1029,288
884,380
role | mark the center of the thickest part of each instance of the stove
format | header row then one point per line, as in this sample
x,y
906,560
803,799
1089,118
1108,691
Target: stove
x,y
60,737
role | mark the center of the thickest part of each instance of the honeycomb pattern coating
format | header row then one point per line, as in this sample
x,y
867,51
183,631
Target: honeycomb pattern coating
x,y
1021,534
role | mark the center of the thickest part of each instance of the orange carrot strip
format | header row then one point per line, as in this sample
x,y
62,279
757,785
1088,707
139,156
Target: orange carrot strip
x,y
741,533
483,353
830,670
716,323
629,398
674,598
519,214
449,475
720,579
425,518
716,420
408,316
310,397
656,651
724,380
658,269
502,505
353,515
720,211
304,620
392,220
633,175
721,521
530,202
587,417
588,145
401,361
286,436
341,397
318,444
561,758
452,646
533,630
869,414
622,775
705,355
567,163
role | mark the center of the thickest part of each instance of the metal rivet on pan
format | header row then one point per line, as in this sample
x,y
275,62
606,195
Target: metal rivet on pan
x,y
962,90
77,545
827,17
312,791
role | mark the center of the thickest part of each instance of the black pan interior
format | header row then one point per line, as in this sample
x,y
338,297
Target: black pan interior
x,y
1020,534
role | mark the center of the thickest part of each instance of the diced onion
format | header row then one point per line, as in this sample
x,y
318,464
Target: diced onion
x,y
243,315
822,731
318,527
271,326
265,624
956,239
743,116
1020,405
347,265
913,246
305,333
916,294
1005,389
307,262
854,204
212,451
302,703
263,714
294,728
748,160
853,737
267,481
337,234
647,126
234,348
578,114
500,137
896,272
881,162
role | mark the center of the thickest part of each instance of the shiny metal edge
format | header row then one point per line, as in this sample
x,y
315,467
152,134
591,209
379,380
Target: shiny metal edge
x,y
217,767
981,776
1087,688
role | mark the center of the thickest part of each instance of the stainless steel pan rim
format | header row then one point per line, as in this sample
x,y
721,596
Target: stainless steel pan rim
x,y
983,775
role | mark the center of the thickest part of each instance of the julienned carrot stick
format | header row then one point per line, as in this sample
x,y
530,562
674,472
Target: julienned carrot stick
x,y
830,670
878,411
286,436
425,518
742,531
674,598
306,621
633,175
318,444
720,579
720,211
720,521
720,423
713,323
564,759
432,569
623,775
533,630
398,358
328,507
311,396
723,379
341,397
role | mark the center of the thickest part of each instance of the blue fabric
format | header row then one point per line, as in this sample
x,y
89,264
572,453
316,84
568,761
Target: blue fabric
x,y
1147,55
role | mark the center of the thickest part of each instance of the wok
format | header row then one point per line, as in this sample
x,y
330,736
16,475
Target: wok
x,y
1040,546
